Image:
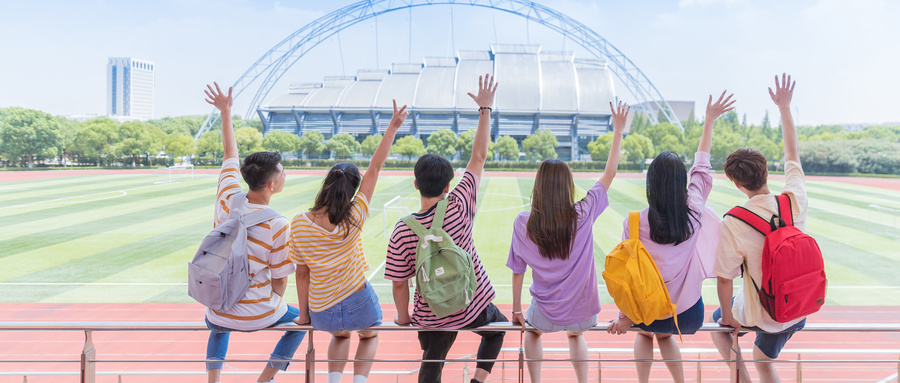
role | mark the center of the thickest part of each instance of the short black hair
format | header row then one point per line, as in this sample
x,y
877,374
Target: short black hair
x,y
260,168
433,174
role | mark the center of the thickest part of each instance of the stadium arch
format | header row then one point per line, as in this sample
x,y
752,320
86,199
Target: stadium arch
x,y
268,69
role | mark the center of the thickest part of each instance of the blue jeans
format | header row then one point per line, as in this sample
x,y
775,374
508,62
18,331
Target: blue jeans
x,y
217,345
768,342
359,311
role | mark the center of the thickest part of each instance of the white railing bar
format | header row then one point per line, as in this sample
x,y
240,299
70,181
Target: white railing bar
x,y
497,326
624,350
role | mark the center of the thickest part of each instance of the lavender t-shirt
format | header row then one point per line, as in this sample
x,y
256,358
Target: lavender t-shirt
x,y
565,290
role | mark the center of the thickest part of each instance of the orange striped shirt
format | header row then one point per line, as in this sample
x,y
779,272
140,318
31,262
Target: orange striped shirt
x,y
268,254
336,264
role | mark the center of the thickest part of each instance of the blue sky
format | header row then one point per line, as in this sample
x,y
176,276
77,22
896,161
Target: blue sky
x,y
844,54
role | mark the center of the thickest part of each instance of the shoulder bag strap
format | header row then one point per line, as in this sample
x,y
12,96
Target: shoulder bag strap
x,y
634,224
415,226
746,216
259,216
439,213
783,201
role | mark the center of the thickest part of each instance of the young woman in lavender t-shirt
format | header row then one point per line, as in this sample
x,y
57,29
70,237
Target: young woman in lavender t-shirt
x,y
669,230
555,239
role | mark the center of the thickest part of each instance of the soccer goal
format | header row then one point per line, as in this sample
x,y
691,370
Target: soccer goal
x,y
883,221
177,173
396,209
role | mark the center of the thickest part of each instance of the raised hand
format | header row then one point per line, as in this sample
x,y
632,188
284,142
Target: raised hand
x,y
783,91
619,116
486,90
398,117
217,98
722,105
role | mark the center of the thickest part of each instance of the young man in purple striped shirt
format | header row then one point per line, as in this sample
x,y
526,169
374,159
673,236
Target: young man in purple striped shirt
x,y
432,178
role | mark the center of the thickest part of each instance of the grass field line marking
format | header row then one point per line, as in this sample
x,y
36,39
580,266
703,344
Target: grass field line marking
x,y
123,191
383,263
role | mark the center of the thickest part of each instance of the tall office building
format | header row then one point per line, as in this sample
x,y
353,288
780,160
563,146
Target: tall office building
x,y
130,88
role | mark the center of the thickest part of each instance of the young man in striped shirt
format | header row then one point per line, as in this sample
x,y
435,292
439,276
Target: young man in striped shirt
x,y
432,179
262,306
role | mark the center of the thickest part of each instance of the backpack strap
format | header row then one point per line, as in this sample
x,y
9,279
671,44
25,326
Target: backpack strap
x,y
259,216
783,202
634,228
415,226
746,216
439,213
236,206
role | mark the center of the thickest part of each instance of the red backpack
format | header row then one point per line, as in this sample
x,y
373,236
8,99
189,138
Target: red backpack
x,y
793,271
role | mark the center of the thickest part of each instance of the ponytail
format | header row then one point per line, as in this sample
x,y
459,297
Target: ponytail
x,y
336,196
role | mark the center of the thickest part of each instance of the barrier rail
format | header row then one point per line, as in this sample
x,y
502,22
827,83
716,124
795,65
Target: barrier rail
x,y
88,358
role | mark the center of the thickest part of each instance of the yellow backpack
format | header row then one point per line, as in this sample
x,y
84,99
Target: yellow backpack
x,y
634,281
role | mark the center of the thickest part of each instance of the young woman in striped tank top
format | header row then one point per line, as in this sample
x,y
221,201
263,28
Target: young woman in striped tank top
x,y
327,248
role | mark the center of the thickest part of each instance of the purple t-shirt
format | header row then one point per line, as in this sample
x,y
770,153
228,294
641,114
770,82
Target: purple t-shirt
x,y
564,290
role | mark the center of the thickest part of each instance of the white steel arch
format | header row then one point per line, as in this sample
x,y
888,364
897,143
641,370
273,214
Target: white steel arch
x,y
269,68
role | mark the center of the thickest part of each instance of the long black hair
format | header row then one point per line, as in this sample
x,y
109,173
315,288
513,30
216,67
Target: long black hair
x,y
669,215
336,196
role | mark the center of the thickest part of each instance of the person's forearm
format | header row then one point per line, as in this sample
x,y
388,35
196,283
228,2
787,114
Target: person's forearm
x,y
517,280
789,135
612,163
482,138
228,140
381,153
302,290
279,286
706,139
401,300
725,289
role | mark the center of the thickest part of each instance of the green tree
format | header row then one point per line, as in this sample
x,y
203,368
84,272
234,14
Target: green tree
x,y
180,145
540,146
249,140
666,136
765,146
96,138
28,134
370,144
599,148
137,138
209,145
464,144
342,145
409,146
723,144
188,125
507,148
442,143
637,148
278,141
312,144
65,145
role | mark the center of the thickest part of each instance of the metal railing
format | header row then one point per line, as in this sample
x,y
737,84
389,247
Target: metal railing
x,y
88,359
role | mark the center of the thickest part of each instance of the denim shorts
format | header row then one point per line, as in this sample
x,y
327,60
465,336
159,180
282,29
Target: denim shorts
x,y
356,312
770,343
539,321
688,322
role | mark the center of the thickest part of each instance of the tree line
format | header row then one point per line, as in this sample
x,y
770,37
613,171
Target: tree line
x,y
30,136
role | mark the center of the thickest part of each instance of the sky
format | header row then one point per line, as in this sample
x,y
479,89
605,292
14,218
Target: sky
x,y
844,54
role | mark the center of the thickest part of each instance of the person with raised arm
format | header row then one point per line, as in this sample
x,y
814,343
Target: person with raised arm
x,y
556,240
669,229
741,247
432,178
326,246
263,305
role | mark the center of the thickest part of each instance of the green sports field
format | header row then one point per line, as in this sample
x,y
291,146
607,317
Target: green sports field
x,y
128,237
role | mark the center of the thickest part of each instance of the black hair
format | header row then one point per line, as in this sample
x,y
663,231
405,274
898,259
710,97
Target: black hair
x,y
433,174
260,168
336,196
669,215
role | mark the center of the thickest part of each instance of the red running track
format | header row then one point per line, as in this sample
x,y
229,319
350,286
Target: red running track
x,y
60,345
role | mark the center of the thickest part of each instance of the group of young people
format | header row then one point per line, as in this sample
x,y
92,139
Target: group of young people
x,y
323,247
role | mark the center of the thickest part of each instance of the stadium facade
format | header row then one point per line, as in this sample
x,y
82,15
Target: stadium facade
x,y
539,90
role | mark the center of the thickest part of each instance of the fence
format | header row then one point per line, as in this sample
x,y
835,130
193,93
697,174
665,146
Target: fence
x,y
88,360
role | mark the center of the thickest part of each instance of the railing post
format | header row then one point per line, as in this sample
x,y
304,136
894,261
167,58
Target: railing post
x,y
88,354
799,370
699,370
466,372
310,358
599,368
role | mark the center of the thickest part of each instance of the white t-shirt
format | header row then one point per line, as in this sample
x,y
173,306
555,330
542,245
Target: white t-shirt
x,y
739,241
268,251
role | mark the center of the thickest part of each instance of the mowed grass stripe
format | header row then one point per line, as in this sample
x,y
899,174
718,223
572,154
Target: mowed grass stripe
x,y
128,216
83,211
55,194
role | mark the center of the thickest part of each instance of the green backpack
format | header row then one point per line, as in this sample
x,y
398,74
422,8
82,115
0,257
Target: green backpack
x,y
445,273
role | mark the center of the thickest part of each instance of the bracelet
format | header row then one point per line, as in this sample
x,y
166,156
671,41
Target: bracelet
x,y
485,107
516,312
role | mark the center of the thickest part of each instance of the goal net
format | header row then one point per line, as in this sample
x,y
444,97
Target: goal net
x,y
396,209
177,173
883,221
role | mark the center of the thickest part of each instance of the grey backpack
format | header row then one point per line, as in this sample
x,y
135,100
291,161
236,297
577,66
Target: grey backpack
x,y
219,274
